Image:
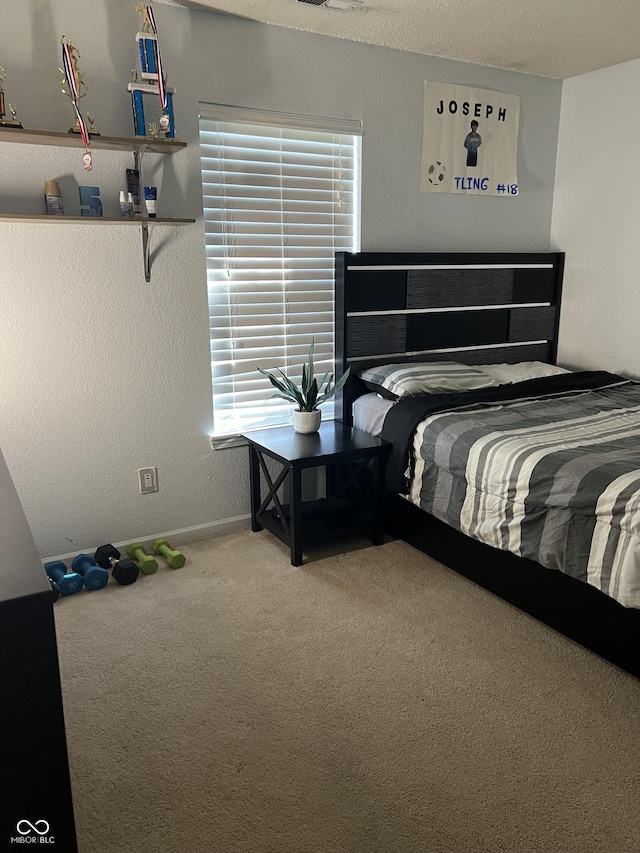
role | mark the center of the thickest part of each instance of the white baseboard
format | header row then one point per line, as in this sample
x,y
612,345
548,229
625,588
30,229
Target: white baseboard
x,y
178,537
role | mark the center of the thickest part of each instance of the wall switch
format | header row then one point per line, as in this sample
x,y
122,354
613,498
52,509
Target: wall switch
x,y
148,480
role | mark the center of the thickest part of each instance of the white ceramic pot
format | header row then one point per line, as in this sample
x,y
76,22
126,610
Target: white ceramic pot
x,y
306,421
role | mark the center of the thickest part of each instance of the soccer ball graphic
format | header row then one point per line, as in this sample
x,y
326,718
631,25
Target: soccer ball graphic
x,y
437,173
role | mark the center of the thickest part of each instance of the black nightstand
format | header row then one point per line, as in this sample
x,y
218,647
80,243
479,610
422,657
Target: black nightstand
x,y
345,452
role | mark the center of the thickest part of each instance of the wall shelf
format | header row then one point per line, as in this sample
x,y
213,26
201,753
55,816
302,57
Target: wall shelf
x,y
91,220
106,143
137,144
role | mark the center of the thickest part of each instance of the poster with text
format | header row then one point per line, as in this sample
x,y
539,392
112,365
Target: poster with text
x,y
469,141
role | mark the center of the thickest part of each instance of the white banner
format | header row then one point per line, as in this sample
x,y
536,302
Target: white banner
x,y
469,141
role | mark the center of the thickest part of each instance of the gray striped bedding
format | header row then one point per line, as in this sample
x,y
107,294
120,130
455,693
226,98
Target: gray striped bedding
x,y
556,480
407,379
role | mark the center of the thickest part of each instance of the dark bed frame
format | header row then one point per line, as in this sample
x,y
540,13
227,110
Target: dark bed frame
x,y
479,308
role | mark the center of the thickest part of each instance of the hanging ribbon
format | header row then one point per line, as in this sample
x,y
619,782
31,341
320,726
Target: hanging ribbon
x,y
162,89
72,82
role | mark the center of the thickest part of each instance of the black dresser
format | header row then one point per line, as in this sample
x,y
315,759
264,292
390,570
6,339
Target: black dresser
x,y
35,786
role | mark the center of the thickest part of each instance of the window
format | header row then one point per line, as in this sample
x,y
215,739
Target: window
x,y
281,195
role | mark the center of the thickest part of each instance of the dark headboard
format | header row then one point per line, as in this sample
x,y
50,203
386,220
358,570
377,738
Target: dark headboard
x,y
474,308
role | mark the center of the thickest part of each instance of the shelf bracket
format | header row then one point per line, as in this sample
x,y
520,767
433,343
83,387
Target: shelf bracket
x,y
138,154
146,255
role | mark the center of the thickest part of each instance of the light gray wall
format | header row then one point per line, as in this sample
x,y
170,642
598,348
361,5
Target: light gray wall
x,y
103,373
595,220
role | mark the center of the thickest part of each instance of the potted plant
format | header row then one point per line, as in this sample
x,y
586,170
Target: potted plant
x,y
307,397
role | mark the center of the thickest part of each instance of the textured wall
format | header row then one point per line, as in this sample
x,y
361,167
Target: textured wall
x,y
595,219
103,373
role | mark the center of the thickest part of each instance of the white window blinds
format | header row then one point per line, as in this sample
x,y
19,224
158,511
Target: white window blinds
x,y
281,195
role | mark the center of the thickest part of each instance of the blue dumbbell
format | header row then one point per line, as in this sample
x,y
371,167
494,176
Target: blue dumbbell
x,y
68,582
93,576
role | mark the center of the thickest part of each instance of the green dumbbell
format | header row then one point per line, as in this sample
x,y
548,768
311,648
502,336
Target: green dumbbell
x,y
148,565
175,558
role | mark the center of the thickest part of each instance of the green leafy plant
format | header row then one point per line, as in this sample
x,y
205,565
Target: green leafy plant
x,y
311,392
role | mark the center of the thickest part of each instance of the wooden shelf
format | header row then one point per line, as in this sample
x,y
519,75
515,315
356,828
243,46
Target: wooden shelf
x,y
144,225
74,140
91,220
137,144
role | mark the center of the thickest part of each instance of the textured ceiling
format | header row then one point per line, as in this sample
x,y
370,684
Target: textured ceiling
x,y
552,38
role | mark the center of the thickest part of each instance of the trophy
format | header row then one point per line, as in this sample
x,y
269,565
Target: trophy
x,y
73,85
152,82
92,129
12,122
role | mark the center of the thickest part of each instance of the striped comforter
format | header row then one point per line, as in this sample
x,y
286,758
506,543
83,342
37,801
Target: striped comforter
x,y
554,477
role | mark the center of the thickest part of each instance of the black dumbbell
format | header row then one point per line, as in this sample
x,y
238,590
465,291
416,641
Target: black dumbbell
x,y
123,571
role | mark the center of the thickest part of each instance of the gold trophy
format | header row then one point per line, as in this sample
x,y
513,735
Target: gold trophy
x,y
146,21
159,129
92,129
81,87
12,122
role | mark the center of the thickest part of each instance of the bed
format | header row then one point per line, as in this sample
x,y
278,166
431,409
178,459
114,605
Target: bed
x,y
517,473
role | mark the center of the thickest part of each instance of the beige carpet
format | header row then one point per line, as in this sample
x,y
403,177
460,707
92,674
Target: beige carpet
x,y
372,702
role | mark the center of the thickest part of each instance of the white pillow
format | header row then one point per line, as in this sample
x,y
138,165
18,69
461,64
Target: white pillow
x,y
507,374
411,378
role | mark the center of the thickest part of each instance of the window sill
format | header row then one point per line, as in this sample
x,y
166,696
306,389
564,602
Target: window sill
x,y
227,442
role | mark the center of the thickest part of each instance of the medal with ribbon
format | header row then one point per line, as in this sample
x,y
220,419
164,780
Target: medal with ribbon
x,y
75,89
162,83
